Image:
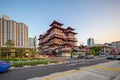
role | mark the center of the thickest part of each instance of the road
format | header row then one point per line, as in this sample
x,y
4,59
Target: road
x,y
103,71
39,71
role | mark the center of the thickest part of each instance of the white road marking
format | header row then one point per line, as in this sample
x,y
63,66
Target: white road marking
x,y
70,64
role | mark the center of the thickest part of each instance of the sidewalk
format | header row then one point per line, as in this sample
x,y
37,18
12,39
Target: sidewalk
x,y
104,71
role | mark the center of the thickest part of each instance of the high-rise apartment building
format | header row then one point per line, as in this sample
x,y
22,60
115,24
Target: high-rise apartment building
x,y
15,31
57,40
90,42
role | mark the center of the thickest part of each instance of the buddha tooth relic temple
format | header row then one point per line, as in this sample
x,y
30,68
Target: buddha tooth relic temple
x,y
58,41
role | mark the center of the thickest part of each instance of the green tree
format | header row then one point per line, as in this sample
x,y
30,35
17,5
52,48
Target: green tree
x,y
96,48
92,52
22,52
9,44
33,52
41,52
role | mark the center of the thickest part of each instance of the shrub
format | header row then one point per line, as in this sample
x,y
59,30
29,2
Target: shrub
x,y
20,64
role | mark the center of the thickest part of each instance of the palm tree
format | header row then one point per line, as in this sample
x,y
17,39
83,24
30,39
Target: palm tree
x,y
9,44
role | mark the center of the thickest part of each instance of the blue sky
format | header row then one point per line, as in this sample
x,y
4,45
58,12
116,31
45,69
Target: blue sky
x,y
99,19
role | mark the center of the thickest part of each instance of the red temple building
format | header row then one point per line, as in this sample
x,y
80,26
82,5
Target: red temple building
x,y
58,41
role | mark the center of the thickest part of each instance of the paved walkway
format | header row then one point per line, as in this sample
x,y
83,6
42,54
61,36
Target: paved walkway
x,y
104,71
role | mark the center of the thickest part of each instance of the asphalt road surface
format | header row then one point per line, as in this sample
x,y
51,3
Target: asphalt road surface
x,y
39,71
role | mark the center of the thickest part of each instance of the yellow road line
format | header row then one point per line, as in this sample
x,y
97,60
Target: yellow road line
x,y
61,74
82,69
108,68
102,67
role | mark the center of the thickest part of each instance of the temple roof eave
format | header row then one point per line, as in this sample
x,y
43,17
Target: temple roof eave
x,y
71,32
70,28
55,22
55,27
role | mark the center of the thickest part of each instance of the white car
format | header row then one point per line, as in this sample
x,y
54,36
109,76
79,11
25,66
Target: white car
x,y
75,56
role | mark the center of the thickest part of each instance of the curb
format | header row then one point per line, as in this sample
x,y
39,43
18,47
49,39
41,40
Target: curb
x,y
11,68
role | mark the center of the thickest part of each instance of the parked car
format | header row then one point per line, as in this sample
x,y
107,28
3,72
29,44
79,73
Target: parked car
x,y
89,56
75,56
111,57
102,54
118,57
92,56
4,66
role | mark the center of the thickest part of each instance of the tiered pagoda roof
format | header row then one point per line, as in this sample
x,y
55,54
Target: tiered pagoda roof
x,y
69,28
55,23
